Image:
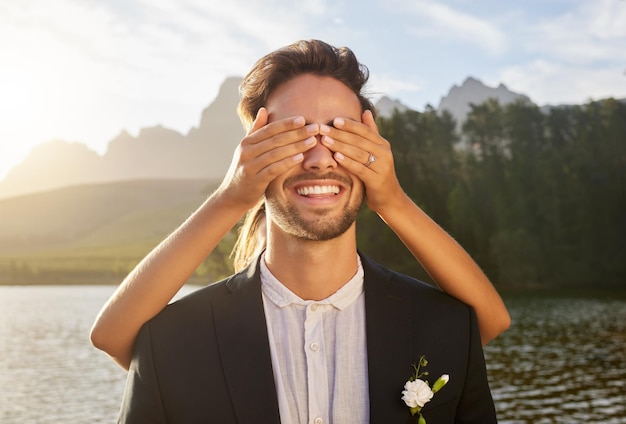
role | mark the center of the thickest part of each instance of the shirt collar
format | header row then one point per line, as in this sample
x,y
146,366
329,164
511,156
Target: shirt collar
x,y
281,296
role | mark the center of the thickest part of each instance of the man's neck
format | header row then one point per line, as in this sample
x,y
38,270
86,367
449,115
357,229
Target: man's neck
x,y
313,270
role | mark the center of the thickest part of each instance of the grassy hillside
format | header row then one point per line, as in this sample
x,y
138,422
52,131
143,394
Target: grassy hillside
x,y
95,233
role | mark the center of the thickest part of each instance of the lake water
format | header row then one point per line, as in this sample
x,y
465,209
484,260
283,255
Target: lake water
x,y
563,360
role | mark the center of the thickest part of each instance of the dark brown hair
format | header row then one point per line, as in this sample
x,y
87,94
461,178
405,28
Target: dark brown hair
x,y
303,57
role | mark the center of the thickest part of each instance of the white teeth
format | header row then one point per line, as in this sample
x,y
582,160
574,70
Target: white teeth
x,y
305,191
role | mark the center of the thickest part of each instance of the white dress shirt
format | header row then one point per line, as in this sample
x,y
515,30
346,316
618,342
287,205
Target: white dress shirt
x,y
319,352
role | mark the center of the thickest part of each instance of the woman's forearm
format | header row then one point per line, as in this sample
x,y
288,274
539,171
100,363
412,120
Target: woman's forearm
x,y
448,264
159,276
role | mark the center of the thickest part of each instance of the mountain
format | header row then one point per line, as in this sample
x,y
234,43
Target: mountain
x,y
92,233
473,91
156,152
386,106
53,164
203,153
84,215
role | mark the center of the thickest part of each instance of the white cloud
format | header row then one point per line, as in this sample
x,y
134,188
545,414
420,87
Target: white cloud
x,y
104,67
96,68
268,24
593,32
380,85
440,21
607,18
555,83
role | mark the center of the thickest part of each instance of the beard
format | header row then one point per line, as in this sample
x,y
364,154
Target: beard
x,y
320,228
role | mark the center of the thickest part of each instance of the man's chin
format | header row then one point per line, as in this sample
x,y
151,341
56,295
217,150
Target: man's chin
x,y
322,229
321,224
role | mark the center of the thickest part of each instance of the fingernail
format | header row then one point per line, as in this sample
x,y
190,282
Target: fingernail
x,y
298,157
328,140
324,129
339,156
312,128
309,141
299,120
338,122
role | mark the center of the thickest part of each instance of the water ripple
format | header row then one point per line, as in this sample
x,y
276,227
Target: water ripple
x,y
562,361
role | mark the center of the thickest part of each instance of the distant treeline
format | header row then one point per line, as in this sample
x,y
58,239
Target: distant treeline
x,y
538,198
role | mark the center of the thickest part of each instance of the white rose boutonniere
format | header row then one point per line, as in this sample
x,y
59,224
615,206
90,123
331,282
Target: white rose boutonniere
x,y
418,393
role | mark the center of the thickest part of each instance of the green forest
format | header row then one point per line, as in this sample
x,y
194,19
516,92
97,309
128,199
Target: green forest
x,y
537,197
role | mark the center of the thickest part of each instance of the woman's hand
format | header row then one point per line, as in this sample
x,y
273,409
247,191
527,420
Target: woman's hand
x,y
267,151
352,143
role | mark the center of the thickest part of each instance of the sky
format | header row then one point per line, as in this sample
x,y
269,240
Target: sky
x,y
84,70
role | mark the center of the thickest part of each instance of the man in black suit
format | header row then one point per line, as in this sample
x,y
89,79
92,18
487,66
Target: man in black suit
x,y
311,330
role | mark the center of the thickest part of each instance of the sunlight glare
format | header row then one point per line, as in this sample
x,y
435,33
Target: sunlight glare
x,y
20,98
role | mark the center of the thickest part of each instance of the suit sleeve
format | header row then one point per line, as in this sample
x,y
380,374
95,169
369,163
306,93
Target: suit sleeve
x,y
142,401
476,404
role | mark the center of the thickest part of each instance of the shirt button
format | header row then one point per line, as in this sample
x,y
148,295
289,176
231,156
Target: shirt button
x,y
314,308
314,346
319,420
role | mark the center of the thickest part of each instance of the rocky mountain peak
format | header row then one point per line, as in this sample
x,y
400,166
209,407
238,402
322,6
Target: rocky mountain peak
x,y
203,153
385,106
473,91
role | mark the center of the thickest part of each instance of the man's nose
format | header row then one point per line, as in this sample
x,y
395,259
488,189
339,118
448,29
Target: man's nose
x,y
319,158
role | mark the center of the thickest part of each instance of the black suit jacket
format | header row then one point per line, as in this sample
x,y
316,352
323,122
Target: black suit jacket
x,y
205,358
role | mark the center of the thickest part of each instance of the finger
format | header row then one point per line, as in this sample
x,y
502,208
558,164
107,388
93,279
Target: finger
x,y
368,119
353,145
286,154
294,135
281,166
367,129
269,130
259,121
356,167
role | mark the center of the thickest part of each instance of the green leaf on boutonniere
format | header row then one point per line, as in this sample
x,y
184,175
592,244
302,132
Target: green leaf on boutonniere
x,y
418,393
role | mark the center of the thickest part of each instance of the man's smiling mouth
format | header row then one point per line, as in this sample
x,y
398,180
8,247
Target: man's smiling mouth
x,y
318,190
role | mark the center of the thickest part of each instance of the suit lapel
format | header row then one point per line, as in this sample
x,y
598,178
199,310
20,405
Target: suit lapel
x,y
244,348
389,333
